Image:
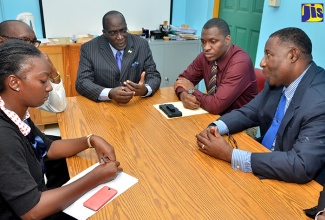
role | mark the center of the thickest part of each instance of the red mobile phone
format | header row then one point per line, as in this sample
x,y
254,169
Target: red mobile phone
x,y
100,198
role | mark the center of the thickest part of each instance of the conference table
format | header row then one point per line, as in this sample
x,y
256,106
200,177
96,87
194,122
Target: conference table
x,y
175,179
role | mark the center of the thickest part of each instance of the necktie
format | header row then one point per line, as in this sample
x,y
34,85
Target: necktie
x,y
118,59
39,147
270,135
213,77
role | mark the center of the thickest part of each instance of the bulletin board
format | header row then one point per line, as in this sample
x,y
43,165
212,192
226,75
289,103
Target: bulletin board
x,y
62,18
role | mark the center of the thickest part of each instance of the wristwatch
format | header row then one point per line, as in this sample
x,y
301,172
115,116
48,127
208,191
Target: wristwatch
x,y
55,78
190,91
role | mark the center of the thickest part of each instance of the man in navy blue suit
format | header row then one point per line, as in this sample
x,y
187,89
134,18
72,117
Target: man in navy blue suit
x,y
298,150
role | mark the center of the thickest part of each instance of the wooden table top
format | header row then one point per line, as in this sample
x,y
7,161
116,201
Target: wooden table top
x,y
176,180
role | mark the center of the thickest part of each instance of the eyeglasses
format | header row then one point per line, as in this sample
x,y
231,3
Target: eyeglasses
x,y
122,32
232,141
35,42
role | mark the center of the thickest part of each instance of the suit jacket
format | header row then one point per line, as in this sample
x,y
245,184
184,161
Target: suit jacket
x,y
299,153
98,68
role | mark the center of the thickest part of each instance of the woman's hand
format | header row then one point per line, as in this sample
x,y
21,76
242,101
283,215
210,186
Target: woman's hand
x,y
104,150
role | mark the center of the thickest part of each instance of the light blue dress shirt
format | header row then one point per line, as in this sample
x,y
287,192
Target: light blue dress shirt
x,y
240,159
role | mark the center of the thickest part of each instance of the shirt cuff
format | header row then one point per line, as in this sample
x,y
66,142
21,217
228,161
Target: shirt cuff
x,y
241,160
222,127
103,96
149,90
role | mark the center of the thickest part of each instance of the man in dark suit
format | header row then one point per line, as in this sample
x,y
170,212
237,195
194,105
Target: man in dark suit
x,y
116,65
298,146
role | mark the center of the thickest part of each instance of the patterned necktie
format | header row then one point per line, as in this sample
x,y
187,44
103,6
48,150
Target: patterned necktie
x,y
213,77
270,135
118,59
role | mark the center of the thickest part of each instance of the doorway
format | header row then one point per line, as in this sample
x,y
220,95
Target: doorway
x,y
244,19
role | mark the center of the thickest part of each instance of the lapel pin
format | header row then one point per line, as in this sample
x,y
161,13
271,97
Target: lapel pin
x,y
130,51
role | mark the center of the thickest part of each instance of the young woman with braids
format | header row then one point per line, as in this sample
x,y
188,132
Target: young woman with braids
x,y
24,83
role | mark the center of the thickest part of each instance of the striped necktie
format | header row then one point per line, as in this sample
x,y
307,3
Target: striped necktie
x,y
213,76
118,59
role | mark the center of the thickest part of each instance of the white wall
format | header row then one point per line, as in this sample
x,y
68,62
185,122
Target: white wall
x,y
64,18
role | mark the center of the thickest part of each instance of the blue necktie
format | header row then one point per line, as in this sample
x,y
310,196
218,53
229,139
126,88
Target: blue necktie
x,y
271,133
39,147
118,59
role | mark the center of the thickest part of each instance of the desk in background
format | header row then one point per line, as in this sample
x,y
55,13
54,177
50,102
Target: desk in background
x,y
176,180
171,57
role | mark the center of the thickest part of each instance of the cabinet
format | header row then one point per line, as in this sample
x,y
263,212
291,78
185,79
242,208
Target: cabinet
x,y
173,57
65,57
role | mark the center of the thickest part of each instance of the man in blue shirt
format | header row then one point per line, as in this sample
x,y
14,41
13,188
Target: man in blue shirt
x,y
298,146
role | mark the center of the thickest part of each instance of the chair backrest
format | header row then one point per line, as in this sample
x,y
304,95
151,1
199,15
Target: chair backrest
x,y
260,77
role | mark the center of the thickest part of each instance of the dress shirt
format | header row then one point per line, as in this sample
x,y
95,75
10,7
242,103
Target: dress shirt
x,y
103,96
240,159
57,99
236,82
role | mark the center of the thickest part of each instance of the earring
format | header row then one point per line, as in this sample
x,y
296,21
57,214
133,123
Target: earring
x,y
17,89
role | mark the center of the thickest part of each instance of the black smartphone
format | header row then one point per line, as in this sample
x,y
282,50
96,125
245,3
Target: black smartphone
x,y
170,110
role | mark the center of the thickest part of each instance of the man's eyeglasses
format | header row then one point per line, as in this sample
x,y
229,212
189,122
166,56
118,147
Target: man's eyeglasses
x,y
122,32
232,141
35,42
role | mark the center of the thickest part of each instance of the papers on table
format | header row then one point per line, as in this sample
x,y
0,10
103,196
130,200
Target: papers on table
x,y
121,183
185,112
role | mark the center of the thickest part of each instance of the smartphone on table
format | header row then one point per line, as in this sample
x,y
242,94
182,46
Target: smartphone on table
x,y
100,198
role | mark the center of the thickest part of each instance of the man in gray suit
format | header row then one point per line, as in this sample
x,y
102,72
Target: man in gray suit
x,y
116,65
298,146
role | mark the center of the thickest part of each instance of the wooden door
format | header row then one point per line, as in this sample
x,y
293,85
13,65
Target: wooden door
x,y
244,19
57,54
72,68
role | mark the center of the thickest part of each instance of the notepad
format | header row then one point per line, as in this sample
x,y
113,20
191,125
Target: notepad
x,y
121,183
185,111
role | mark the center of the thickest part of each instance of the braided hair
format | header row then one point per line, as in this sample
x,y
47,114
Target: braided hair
x,y
14,55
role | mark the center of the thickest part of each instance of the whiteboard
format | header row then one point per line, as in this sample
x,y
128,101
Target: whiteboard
x,y
65,18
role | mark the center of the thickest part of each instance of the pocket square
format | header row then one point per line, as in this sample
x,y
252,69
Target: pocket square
x,y
135,64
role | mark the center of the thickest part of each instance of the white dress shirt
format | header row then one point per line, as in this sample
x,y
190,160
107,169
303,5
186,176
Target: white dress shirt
x,y
57,100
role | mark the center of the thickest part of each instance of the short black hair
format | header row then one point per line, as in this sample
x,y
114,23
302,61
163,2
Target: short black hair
x,y
13,56
218,23
110,13
295,36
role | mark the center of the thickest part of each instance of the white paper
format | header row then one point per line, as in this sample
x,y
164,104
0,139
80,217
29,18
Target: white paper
x,y
121,183
185,111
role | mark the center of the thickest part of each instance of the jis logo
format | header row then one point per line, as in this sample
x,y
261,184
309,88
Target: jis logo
x,y
312,12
